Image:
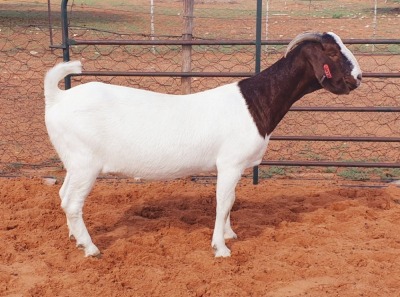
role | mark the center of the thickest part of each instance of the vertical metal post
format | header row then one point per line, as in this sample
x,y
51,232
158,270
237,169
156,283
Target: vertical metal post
x,y
258,63
65,39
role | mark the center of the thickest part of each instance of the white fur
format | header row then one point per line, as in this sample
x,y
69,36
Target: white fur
x,y
356,71
96,127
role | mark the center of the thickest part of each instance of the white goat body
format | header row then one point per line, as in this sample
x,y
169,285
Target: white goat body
x,y
96,127
150,135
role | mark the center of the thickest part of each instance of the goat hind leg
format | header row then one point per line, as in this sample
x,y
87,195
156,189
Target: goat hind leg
x,y
75,193
63,194
228,232
64,187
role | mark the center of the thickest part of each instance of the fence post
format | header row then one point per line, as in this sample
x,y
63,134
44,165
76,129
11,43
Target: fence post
x,y
152,31
258,63
65,39
49,16
188,6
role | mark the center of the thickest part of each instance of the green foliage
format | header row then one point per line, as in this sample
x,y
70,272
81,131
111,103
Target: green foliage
x,y
330,169
272,171
386,174
337,15
353,174
382,174
394,48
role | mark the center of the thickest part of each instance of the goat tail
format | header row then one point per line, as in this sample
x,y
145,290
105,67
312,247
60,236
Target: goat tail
x,y
54,75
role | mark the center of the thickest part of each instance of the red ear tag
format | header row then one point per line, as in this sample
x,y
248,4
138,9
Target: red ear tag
x,y
327,71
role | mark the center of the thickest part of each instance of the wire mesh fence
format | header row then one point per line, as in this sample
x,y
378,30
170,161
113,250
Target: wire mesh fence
x,y
25,55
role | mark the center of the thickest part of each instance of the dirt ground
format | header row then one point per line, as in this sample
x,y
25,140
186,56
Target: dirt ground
x,y
295,238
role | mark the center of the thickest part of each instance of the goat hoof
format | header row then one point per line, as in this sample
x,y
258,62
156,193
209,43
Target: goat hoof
x,y
230,235
92,251
222,252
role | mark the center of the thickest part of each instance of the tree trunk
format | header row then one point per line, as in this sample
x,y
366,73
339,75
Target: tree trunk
x,y
187,49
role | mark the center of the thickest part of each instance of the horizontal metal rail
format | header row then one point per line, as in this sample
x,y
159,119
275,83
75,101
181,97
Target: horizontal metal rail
x,y
248,74
165,74
381,74
206,74
330,164
336,138
173,42
266,162
345,109
217,42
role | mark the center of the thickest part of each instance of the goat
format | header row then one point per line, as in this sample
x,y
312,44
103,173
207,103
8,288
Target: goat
x,y
97,127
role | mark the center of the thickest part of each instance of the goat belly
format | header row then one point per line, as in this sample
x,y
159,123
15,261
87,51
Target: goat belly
x,y
155,160
151,135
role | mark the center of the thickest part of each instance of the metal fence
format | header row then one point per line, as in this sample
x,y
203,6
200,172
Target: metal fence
x,y
360,130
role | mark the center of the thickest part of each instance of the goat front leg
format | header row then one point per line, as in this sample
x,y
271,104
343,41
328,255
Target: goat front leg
x,y
228,232
226,184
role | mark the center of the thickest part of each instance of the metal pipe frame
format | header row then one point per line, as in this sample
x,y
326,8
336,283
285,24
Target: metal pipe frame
x,y
258,42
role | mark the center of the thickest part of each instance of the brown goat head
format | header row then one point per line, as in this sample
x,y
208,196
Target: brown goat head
x,y
335,67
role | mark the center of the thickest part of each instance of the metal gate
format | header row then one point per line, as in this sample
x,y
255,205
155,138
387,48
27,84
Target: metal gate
x,y
67,42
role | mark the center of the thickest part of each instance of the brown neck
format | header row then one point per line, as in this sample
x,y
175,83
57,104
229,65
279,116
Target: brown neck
x,y
270,94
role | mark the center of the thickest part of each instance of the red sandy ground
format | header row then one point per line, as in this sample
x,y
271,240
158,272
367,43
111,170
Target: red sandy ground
x,y
296,238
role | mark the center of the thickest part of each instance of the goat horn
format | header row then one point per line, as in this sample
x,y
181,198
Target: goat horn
x,y
307,36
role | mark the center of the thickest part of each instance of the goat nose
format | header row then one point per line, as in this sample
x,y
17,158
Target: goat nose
x,y
359,77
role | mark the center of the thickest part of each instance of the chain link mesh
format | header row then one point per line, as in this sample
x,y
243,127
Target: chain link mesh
x,y
25,56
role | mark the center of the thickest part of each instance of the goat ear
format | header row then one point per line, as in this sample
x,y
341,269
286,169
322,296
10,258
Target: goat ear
x,y
329,76
325,68
319,58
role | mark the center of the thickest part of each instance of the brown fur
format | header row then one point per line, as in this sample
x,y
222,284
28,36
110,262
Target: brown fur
x,y
270,94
